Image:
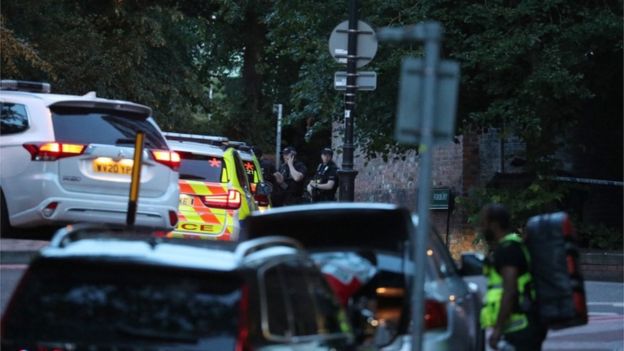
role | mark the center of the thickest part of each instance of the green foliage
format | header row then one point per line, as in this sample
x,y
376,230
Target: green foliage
x,y
528,66
120,49
522,202
600,237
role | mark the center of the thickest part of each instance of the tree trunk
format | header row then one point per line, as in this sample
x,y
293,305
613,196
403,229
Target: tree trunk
x,y
255,41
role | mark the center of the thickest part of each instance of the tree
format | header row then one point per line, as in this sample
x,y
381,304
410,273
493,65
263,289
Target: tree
x,y
133,50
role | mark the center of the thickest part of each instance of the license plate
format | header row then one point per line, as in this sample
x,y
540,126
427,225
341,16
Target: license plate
x,y
186,200
105,165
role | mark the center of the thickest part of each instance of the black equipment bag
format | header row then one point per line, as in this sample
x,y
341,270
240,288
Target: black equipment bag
x,y
557,278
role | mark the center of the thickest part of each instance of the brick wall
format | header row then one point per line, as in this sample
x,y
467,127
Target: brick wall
x,y
470,161
490,154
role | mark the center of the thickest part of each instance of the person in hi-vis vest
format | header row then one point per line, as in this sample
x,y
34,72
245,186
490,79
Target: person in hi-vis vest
x,y
509,303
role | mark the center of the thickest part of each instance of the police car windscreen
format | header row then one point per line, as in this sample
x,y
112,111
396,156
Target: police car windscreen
x,y
202,168
84,126
126,304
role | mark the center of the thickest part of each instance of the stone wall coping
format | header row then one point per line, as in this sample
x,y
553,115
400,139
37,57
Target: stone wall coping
x,y
602,257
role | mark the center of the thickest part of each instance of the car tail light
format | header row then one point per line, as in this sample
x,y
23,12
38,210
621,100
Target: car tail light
x,y
173,218
580,304
242,339
49,210
229,201
262,200
168,158
435,315
53,151
566,227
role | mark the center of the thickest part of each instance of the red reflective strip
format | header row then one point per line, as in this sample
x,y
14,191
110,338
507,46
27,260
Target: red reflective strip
x,y
185,188
571,264
217,189
209,217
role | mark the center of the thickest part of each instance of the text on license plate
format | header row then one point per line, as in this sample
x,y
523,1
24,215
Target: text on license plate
x,y
186,200
104,165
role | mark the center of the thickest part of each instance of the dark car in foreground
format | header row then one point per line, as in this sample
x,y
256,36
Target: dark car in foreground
x,y
380,310
99,288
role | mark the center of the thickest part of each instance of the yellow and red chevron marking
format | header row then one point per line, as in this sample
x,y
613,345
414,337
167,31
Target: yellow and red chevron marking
x,y
201,188
200,220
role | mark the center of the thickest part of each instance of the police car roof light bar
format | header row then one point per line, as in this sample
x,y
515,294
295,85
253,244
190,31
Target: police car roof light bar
x,y
239,145
205,139
24,85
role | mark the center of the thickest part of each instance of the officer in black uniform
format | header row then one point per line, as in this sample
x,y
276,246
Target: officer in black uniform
x,y
289,180
325,182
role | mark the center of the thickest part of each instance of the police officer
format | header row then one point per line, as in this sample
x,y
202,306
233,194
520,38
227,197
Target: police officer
x,y
509,307
324,184
289,179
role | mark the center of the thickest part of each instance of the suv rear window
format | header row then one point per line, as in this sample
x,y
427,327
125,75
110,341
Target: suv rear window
x,y
85,126
121,304
251,171
202,167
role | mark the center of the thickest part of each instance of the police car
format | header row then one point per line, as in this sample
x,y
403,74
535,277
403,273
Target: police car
x,y
68,158
254,175
214,189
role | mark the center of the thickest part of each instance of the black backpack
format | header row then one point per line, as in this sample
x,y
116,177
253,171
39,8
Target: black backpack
x,y
559,288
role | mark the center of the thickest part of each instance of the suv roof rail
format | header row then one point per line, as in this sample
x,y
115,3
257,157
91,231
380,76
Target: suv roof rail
x,y
24,85
248,247
197,138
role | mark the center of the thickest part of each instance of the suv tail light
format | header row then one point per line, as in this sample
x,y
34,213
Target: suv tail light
x,y
168,158
229,201
262,200
435,315
53,151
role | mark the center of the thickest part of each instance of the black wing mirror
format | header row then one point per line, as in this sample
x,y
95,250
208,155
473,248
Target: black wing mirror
x,y
264,189
471,264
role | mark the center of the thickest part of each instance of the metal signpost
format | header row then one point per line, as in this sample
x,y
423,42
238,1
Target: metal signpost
x,y
352,42
365,80
136,179
423,100
278,137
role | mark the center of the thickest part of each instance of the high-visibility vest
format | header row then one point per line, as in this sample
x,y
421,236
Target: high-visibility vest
x,y
492,299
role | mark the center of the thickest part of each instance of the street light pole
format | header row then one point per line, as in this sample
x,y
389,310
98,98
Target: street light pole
x,y
347,174
432,36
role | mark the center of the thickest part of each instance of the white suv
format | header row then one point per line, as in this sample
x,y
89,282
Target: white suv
x,y
67,159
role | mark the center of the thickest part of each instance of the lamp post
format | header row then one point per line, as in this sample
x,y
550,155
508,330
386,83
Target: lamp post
x,y
347,174
278,138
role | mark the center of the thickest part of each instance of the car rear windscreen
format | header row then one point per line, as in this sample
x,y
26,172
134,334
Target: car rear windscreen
x,y
86,126
202,167
250,170
95,303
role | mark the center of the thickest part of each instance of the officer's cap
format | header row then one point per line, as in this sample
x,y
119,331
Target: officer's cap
x,y
289,150
327,151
